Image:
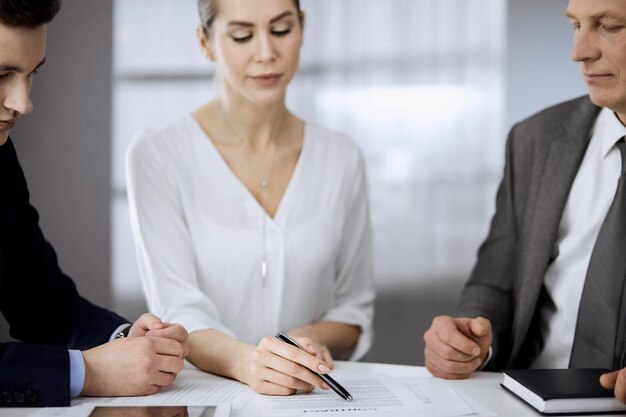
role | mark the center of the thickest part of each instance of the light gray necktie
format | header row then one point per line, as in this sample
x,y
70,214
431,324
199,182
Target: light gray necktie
x,y
600,304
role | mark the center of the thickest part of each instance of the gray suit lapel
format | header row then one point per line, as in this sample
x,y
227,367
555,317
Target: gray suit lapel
x,y
568,143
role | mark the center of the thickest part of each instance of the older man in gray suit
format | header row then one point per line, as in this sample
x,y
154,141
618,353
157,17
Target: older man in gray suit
x,y
548,285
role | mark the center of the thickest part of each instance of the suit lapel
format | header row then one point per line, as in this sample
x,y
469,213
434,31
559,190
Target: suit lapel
x,y
568,144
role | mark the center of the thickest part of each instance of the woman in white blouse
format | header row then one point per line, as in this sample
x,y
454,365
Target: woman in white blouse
x,y
249,221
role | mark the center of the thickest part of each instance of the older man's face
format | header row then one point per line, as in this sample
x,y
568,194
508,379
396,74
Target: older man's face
x,y
600,47
22,51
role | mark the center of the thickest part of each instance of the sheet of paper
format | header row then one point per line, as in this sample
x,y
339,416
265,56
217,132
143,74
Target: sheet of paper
x,y
479,409
437,396
191,388
445,400
373,395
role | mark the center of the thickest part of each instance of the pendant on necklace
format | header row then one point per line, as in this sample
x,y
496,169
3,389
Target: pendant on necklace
x,y
263,270
263,183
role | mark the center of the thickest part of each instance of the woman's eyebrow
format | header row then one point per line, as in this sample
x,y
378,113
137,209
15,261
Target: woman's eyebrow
x,y
248,24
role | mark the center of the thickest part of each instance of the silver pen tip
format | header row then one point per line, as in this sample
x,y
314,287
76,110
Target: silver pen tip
x,y
349,398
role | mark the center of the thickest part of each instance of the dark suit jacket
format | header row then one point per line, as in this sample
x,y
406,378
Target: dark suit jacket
x,y
40,303
543,155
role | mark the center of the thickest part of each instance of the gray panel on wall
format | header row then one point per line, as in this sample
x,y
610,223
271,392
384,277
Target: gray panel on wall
x,y
539,70
64,145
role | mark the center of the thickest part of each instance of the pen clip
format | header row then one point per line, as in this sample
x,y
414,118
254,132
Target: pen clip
x,y
289,340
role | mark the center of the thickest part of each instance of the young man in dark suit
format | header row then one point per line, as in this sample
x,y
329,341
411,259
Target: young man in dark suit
x,y
548,287
68,346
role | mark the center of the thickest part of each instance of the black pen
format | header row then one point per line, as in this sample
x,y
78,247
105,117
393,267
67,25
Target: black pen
x,y
341,391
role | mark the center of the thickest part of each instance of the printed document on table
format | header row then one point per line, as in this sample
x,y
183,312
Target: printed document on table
x,y
192,388
374,394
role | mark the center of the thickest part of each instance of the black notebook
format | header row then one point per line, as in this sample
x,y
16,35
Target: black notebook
x,y
562,391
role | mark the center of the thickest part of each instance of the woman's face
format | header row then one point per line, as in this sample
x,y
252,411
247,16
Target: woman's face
x,y
256,45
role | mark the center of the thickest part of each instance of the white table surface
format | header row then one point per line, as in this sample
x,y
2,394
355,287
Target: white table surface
x,y
482,386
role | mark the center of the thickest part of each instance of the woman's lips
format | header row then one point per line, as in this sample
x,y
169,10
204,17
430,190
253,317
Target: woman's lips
x,y
266,79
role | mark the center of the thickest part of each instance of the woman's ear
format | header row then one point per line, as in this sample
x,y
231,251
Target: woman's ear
x,y
301,18
205,43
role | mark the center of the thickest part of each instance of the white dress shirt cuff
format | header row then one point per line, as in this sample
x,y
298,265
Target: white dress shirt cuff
x,y
487,360
77,372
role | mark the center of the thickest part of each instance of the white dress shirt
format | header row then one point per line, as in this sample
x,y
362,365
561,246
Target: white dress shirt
x,y
588,202
198,232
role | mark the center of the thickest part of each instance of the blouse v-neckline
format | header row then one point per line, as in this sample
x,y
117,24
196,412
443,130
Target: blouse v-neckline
x,y
241,186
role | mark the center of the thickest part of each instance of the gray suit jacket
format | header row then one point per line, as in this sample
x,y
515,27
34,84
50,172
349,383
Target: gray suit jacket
x,y
543,154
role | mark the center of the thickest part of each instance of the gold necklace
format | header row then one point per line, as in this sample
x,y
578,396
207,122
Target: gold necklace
x,y
263,182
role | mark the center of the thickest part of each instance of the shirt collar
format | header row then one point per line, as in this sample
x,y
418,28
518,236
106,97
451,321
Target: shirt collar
x,y
609,129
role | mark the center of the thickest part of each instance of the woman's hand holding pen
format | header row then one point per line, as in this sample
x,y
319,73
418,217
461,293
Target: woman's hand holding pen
x,y
313,344
277,368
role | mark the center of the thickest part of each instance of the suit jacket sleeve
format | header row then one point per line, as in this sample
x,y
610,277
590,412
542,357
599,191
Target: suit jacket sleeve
x,y
40,303
489,291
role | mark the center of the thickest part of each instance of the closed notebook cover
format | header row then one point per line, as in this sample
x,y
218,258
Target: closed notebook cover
x,y
562,391
562,383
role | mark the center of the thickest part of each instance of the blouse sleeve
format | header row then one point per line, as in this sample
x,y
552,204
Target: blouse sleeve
x,y
165,250
354,283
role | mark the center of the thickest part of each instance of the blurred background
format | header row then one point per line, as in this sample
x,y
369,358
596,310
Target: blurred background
x,y
427,88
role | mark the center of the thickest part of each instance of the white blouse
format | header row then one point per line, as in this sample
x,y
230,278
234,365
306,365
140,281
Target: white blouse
x,y
198,232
